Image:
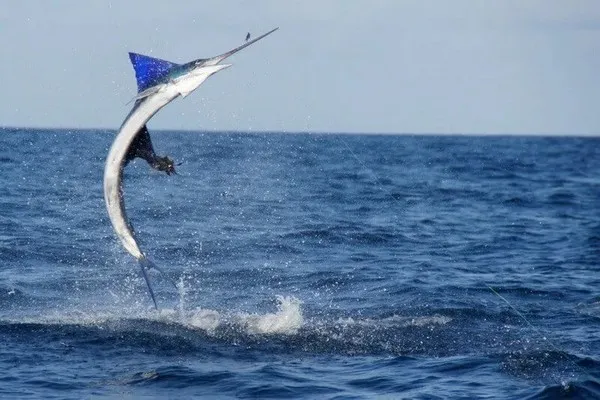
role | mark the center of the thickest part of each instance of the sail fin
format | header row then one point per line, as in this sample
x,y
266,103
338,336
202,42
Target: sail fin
x,y
149,71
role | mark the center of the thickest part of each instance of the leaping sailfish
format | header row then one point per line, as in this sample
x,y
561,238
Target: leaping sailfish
x,y
159,82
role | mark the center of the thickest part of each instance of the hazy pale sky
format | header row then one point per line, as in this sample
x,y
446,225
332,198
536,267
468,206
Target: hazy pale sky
x,y
461,66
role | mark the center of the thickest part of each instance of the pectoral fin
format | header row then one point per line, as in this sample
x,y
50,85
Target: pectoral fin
x,y
148,92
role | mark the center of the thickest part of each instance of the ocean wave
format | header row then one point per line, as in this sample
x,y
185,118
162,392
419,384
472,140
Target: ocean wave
x,y
585,389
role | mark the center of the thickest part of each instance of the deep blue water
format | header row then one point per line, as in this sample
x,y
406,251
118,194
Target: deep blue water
x,y
308,266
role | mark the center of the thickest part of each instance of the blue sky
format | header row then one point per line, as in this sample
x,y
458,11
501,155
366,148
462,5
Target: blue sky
x,y
386,66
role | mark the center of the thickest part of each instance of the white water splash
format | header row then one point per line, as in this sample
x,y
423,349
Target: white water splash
x,y
207,320
287,320
181,288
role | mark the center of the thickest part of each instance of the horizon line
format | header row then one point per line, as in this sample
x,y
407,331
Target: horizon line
x,y
313,132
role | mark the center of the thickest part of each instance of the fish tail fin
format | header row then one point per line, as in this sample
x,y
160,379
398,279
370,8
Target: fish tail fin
x,y
146,265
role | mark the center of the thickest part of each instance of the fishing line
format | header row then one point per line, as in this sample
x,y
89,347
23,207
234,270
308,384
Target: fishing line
x,y
369,170
511,306
539,332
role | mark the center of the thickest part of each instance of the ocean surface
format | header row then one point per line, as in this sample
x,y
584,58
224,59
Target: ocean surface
x,y
306,266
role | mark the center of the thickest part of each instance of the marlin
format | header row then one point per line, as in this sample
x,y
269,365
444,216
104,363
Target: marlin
x,y
159,82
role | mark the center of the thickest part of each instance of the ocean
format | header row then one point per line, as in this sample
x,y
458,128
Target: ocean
x,y
306,266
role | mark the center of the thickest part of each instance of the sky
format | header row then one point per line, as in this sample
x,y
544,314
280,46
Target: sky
x,y
368,66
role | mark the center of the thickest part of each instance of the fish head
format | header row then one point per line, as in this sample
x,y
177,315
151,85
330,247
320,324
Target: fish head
x,y
190,81
188,77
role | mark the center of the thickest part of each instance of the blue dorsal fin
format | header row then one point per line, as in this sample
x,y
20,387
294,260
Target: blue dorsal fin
x,y
149,70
